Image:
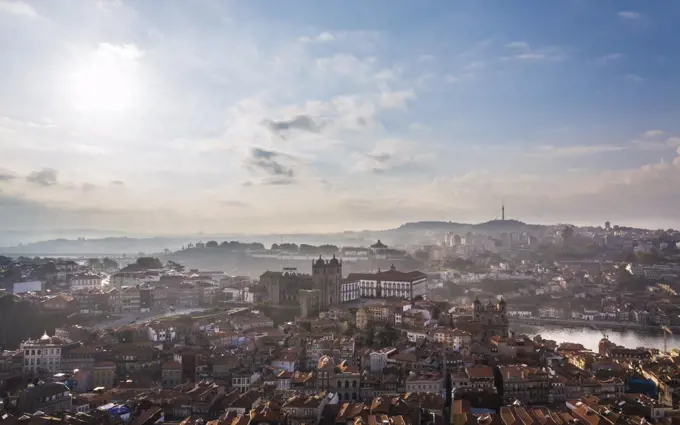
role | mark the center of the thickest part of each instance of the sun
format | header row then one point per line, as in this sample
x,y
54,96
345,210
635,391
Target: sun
x,y
104,82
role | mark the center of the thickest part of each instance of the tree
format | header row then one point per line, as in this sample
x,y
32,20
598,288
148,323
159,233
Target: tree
x,y
211,244
274,247
94,263
175,266
5,261
421,256
149,263
110,264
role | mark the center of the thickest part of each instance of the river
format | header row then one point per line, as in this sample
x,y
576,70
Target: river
x,y
590,338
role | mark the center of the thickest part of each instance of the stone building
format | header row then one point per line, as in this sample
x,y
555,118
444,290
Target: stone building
x,y
283,287
493,319
327,278
309,302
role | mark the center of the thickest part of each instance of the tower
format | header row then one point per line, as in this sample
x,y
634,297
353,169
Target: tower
x,y
327,278
503,210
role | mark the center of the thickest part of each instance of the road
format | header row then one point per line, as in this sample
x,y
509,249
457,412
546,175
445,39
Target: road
x,y
141,318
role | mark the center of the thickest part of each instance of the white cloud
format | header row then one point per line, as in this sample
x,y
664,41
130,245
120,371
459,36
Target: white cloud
x,y
342,36
633,78
522,51
128,52
390,155
629,15
653,133
608,58
548,151
19,8
451,78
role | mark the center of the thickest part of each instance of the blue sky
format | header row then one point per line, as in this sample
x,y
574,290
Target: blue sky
x,y
262,116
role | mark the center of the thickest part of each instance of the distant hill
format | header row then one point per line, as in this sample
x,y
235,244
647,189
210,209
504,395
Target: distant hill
x,y
430,225
404,234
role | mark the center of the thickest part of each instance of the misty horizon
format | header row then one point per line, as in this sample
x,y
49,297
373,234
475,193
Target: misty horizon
x,y
239,118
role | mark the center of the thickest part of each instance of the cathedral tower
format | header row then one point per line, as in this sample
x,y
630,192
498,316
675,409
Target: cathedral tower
x,y
327,278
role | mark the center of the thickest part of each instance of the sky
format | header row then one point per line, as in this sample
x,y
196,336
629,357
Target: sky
x,y
312,116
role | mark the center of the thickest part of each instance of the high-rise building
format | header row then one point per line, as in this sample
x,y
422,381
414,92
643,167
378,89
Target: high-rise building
x,y
327,278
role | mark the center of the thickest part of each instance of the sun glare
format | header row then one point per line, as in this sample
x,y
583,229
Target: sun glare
x,y
105,82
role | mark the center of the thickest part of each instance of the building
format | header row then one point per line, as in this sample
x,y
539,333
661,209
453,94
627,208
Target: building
x,y
30,286
362,319
391,283
171,374
425,382
327,278
86,281
309,302
492,318
49,398
104,374
43,354
283,287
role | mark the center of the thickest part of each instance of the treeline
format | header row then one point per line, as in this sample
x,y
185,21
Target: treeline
x,y
227,245
285,247
305,249
20,320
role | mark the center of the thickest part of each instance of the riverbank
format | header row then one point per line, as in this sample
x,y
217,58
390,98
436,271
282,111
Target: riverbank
x,y
593,324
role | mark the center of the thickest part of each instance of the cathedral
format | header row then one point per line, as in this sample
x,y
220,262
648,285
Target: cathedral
x,y
327,279
492,318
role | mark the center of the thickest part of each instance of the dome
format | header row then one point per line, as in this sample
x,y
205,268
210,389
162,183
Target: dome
x,y
45,337
320,262
477,302
334,261
378,245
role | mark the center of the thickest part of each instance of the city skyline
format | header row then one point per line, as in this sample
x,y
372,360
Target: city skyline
x,y
239,117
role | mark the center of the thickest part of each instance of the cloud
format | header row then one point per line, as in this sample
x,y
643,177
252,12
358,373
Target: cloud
x,y
451,78
629,15
633,78
89,187
608,58
656,140
389,155
653,133
18,8
117,183
234,203
329,37
548,151
522,51
44,177
269,163
299,122
6,175
129,52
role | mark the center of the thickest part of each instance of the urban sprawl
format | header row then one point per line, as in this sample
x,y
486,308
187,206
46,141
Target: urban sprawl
x,y
411,334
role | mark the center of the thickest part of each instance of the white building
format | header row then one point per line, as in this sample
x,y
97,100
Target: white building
x,y
378,359
157,332
86,281
42,354
391,283
24,287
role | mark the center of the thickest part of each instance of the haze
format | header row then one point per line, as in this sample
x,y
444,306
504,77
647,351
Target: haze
x,y
300,116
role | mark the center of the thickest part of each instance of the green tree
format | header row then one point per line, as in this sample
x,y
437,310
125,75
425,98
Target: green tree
x,y
110,264
149,263
94,263
211,244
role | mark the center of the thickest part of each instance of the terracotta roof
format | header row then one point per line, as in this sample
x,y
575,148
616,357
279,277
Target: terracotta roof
x,y
478,372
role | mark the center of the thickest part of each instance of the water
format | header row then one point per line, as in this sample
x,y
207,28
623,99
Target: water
x,y
590,338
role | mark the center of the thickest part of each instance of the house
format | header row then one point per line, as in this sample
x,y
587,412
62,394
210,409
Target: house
x,y
86,281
